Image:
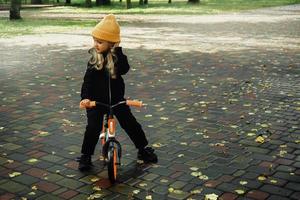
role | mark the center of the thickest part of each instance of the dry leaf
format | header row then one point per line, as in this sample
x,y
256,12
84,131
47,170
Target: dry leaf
x,y
239,191
260,139
94,179
14,174
243,182
211,196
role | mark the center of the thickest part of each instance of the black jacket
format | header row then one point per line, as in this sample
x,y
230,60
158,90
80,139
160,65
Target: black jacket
x,y
96,82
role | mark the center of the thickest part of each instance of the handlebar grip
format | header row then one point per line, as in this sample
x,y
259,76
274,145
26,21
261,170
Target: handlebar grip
x,y
134,103
92,104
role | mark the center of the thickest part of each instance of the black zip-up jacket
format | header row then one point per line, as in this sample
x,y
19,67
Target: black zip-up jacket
x,y
96,82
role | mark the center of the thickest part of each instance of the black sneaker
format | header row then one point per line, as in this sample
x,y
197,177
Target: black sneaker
x,y
147,155
85,163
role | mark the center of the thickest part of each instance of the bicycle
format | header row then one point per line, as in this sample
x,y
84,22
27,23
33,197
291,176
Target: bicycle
x,y
111,148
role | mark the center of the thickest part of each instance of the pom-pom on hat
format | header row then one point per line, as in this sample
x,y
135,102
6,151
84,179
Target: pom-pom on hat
x,y
107,29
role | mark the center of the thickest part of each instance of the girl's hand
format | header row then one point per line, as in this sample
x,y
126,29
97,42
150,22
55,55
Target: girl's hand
x,y
85,103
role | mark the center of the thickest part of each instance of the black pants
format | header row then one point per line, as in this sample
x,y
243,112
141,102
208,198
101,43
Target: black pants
x,y
126,120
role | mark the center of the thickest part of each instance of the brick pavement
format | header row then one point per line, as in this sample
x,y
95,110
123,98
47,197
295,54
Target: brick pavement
x,y
204,112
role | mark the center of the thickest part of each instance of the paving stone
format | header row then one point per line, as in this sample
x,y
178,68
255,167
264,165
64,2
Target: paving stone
x,y
256,194
13,187
276,190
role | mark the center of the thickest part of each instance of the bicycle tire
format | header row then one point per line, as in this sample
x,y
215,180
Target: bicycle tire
x,y
112,167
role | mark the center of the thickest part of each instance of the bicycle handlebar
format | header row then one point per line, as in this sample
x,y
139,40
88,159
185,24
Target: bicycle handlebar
x,y
92,104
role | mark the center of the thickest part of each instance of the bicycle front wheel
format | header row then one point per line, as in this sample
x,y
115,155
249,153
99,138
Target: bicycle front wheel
x,y
112,164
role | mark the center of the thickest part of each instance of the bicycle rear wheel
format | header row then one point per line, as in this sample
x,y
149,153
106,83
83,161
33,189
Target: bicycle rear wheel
x,y
112,164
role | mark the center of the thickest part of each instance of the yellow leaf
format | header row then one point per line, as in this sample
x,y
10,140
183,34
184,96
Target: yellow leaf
x,y
198,191
94,179
196,174
96,188
261,178
157,145
264,125
32,160
136,191
240,191
14,174
211,196
164,181
251,134
171,189
273,181
143,184
31,193
149,197
194,168
243,182
260,139
180,155
34,187
203,177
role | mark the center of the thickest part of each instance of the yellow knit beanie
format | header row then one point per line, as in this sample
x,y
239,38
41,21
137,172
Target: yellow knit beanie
x,y
108,29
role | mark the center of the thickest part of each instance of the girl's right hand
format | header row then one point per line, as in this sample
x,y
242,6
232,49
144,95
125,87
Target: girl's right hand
x,y
85,103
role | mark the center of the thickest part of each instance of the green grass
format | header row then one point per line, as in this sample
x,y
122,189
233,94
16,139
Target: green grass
x,y
176,7
35,26
32,25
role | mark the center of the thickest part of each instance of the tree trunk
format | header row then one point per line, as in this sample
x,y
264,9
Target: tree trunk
x,y
68,1
141,2
102,2
15,7
193,1
170,1
36,1
146,2
128,4
88,3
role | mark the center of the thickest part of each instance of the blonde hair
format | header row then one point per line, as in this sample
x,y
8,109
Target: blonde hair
x,y
97,61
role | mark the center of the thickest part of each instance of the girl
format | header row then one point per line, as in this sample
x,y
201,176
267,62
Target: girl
x,y
108,62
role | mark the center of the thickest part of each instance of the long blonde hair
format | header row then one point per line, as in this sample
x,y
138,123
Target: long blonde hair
x,y
97,61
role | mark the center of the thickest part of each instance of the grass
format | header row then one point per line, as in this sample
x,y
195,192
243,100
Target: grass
x,y
34,25
176,7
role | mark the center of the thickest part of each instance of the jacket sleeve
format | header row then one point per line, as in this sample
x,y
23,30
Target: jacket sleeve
x,y
121,65
87,84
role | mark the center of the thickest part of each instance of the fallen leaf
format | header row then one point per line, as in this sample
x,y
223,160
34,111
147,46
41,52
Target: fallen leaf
x,y
34,187
261,178
198,191
157,145
239,191
143,184
32,160
260,139
96,188
136,191
94,179
243,182
149,197
14,174
211,196
194,168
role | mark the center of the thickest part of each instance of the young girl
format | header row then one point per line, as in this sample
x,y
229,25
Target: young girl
x,y
108,62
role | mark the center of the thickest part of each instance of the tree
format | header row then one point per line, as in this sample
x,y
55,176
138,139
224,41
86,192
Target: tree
x,y
102,2
128,4
36,2
14,12
88,3
193,1
68,1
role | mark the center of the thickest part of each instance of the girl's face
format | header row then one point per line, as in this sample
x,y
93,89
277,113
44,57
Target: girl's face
x,y
102,45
